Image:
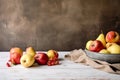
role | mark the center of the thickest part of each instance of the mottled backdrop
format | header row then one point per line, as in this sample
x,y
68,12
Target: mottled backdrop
x,y
55,24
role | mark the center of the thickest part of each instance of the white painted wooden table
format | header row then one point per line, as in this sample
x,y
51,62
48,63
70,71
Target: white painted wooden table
x,y
67,70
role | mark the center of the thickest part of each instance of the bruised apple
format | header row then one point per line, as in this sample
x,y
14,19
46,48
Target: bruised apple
x,y
41,58
96,46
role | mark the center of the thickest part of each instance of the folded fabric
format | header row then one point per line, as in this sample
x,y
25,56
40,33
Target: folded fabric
x,y
79,56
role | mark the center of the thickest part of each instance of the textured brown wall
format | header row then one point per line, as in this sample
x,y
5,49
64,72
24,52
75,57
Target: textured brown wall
x,y
55,24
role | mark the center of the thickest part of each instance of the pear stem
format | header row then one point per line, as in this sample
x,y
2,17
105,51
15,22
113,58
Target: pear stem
x,y
101,31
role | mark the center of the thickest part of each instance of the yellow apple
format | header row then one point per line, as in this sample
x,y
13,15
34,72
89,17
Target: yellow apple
x,y
52,54
109,44
27,60
88,44
105,51
114,48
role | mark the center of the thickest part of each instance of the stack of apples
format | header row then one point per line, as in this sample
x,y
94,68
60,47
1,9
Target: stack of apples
x,y
108,44
30,56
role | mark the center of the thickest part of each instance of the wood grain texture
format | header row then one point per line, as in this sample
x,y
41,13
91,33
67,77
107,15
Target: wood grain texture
x,y
55,24
67,70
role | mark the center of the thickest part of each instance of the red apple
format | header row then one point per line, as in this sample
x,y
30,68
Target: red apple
x,y
41,58
15,58
112,37
96,46
15,55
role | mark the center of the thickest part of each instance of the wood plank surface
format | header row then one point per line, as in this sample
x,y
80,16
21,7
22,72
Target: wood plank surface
x,y
67,70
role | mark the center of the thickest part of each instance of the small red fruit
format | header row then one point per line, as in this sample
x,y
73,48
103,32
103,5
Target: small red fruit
x,y
52,62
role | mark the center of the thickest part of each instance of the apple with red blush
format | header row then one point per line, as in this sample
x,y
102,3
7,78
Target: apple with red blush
x,y
52,54
41,58
15,58
112,37
96,46
15,55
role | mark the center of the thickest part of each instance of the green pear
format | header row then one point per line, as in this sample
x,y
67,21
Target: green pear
x,y
101,38
105,51
30,51
113,48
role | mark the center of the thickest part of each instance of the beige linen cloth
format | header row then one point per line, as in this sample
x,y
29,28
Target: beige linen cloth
x,y
79,56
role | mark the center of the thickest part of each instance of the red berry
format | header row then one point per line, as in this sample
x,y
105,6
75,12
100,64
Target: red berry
x,y
8,65
53,62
